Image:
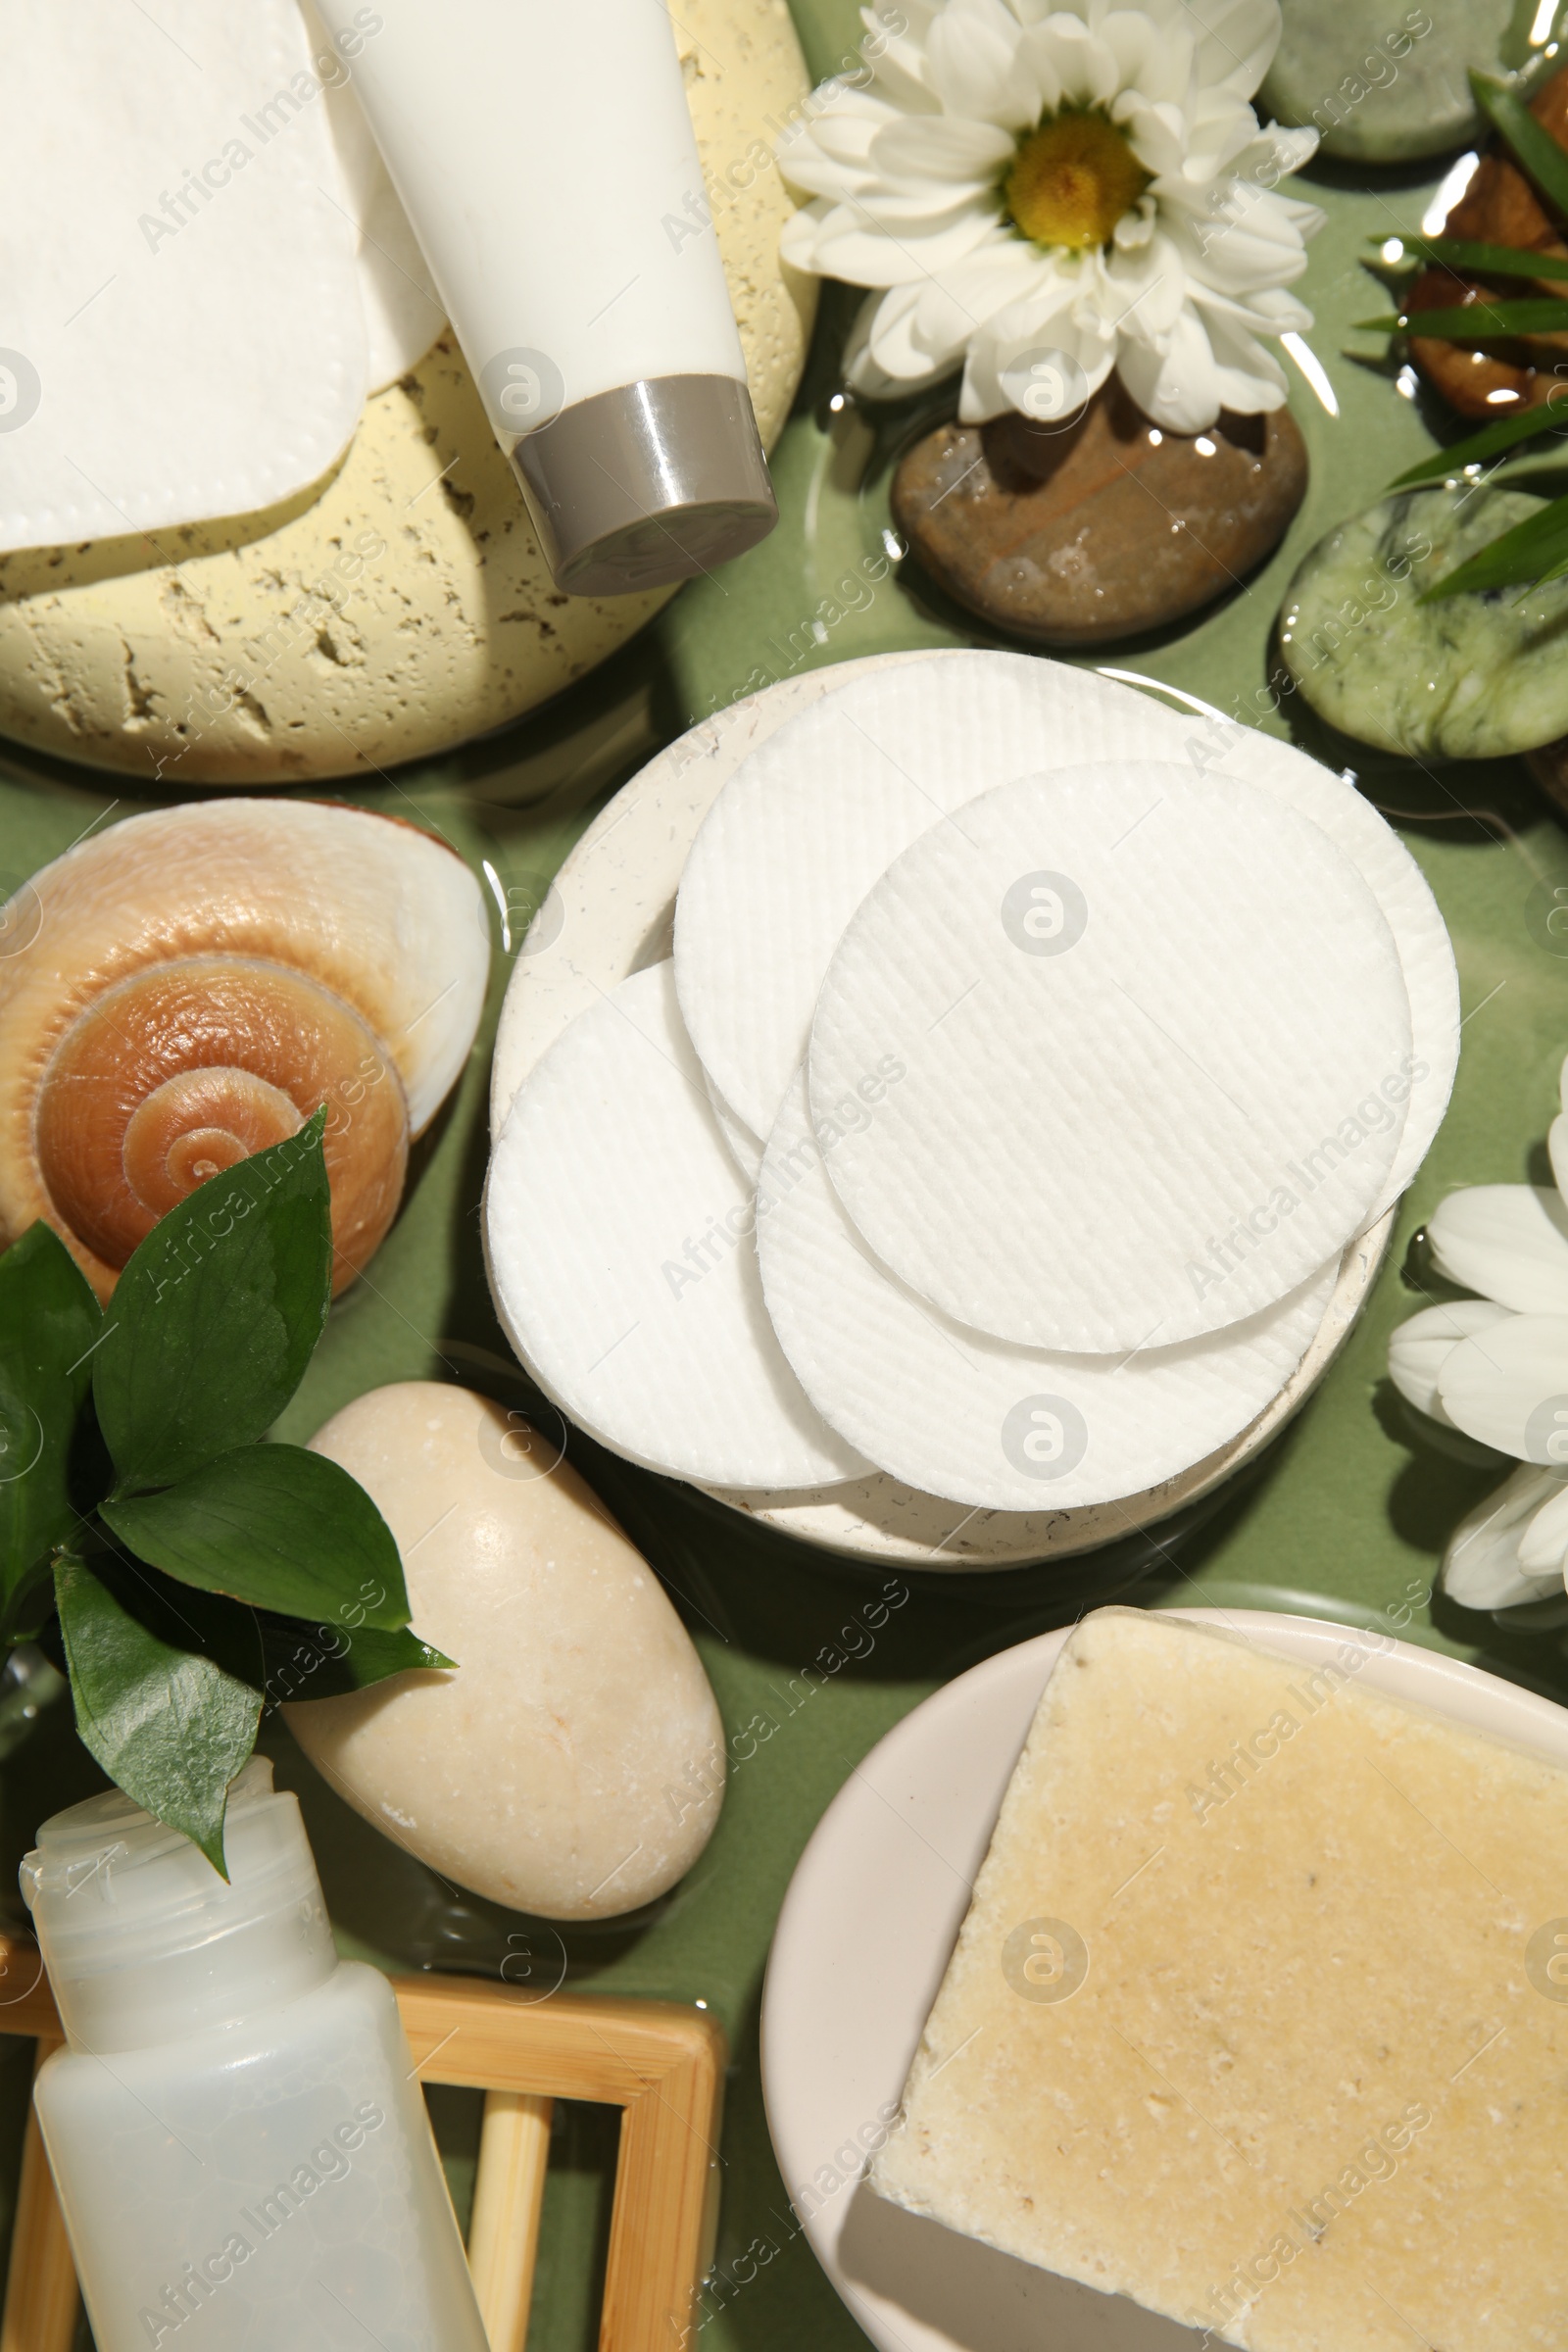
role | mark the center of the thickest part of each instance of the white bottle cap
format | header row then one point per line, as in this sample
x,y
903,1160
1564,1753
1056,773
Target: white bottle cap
x,y
145,1942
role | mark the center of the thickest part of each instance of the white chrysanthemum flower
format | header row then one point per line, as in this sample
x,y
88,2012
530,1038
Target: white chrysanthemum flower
x,y
1086,183
1496,1367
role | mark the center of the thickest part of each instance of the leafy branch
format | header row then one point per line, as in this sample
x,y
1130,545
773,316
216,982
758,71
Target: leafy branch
x,y
196,1574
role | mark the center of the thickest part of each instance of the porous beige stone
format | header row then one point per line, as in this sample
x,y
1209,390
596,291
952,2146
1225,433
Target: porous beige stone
x,y
402,605
573,1766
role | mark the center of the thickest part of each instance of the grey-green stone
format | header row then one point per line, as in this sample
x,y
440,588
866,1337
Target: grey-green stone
x,y
1472,677
1379,88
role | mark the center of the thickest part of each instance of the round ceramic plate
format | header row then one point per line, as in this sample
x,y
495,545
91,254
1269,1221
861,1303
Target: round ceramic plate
x,y
862,1941
610,910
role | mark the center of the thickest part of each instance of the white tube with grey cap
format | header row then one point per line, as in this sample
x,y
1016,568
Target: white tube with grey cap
x,y
544,157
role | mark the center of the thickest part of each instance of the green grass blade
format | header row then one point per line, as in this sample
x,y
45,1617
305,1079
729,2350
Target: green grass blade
x,y
1534,150
1520,424
1534,550
1495,260
1479,322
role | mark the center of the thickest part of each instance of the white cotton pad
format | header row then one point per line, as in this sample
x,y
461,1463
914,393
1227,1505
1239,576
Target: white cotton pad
x,y
1426,952
972,1418
1154,1049
182,320
818,812
743,1147
618,1237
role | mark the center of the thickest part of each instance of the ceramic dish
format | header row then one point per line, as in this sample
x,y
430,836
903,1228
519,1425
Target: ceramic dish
x,y
863,1938
611,912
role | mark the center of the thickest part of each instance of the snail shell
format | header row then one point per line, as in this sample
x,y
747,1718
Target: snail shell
x,y
191,985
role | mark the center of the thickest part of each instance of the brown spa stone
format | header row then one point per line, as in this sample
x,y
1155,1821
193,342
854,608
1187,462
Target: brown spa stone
x,y
1101,529
1500,207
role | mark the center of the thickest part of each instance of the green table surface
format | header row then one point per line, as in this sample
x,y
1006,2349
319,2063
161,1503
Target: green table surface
x,y
1345,1517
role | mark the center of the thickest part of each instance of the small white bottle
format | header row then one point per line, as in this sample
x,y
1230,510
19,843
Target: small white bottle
x,y
241,2149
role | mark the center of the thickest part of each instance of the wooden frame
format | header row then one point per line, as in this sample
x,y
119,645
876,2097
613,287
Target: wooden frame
x,y
662,2065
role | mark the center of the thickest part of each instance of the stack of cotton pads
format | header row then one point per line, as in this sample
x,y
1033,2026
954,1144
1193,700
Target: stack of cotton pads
x,y
1029,1055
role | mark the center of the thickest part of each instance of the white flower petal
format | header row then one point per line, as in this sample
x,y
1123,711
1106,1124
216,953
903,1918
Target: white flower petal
x,y
1557,1149
1082,65
886,314
1245,238
1483,1568
1136,228
1037,66
1508,1387
1237,43
1220,128
896,53
1271,311
854,246
1147,287
1251,381
1150,58
1049,317
1423,1343
1507,1241
980,66
912,19
833,107
1178,385
1274,154
958,303
844,136
1544,1538
1157,134
910,154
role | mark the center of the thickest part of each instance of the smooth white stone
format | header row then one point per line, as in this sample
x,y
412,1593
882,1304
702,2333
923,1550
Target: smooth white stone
x,y
574,1765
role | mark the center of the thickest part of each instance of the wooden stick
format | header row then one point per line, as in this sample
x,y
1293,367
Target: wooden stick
x,y
664,2066
41,2291
509,2192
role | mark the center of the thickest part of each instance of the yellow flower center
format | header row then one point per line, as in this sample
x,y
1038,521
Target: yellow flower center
x,y
1072,180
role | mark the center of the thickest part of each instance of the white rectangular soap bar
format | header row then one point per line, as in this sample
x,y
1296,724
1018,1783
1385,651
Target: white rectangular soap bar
x,y
1256,2015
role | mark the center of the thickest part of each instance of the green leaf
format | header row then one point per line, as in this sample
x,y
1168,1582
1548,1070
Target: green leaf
x,y
1534,149
49,1320
214,1319
276,1526
1479,322
1520,424
1531,550
168,1724
326,1662
1489,261
281,1658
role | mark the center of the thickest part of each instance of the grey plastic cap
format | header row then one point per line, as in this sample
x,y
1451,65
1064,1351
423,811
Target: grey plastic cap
x,y
653,483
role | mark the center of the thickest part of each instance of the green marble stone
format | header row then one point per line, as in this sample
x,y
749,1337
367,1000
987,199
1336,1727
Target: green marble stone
x,y
1472,677
1382,82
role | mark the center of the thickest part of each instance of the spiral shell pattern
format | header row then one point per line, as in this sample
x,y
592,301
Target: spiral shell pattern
x,y
191,986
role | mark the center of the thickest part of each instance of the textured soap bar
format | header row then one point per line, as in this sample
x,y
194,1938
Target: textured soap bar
x,y
1257,2013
